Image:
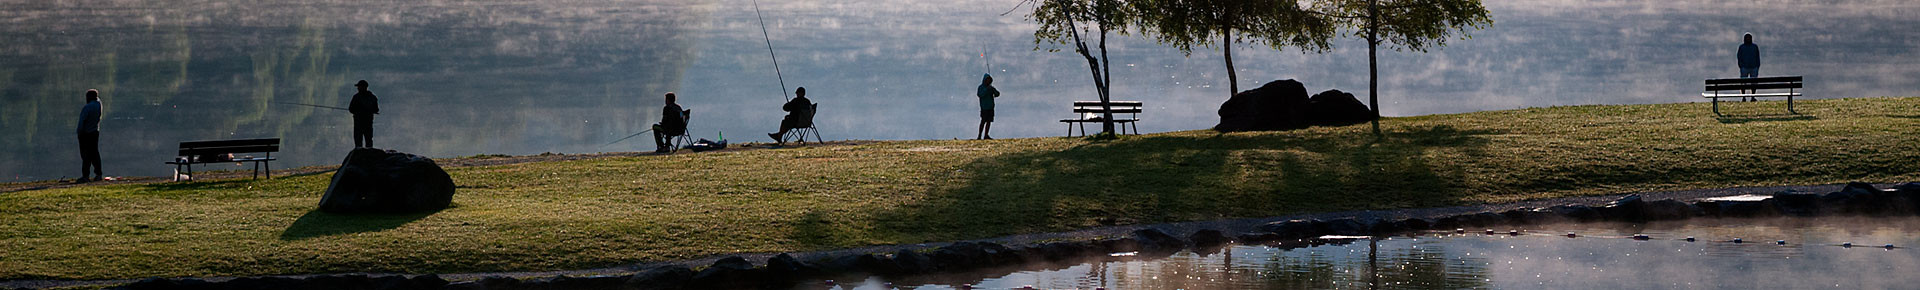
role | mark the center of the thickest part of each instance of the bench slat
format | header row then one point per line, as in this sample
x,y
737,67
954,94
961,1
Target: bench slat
x,y
1115,110
1762,95
230,143
1781,79
1759,86
1115,103
226,150
1097,121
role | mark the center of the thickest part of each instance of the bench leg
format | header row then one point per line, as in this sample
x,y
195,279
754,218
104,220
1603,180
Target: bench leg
x,y
1716,106
1790,102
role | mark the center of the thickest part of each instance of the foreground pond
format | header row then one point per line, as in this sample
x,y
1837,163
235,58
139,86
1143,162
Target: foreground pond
x,y
1602,256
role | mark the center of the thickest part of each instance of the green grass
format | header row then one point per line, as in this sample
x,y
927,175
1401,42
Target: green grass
x,y
601,212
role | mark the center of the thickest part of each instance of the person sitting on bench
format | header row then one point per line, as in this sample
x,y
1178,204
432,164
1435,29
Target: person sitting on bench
x,y
797,113
671,124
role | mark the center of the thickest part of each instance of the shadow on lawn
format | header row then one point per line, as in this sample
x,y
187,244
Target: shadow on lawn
x,y
318,224
1764,118
1174,178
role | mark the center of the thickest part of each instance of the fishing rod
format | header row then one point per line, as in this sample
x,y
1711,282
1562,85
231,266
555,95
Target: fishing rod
x,y
313,105
776,58
628,137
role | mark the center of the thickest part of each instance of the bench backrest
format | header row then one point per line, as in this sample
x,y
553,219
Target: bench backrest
x,y
1121,107
194,148
1788,82
1114,104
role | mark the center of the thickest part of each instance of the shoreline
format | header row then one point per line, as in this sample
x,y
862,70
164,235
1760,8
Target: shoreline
x,y
1178,229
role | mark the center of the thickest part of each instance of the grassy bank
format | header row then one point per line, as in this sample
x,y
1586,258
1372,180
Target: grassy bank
x,y
600,212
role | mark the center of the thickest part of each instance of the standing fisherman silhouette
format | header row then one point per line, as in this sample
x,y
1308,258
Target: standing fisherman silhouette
x,y
363,107
798,109
89,132
986,92
671,124
1749,60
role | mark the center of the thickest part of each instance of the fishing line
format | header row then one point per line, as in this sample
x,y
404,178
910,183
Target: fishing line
x,y
776,58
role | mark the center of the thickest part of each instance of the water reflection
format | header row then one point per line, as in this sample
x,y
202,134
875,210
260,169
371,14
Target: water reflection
x,y
1603,258
524,77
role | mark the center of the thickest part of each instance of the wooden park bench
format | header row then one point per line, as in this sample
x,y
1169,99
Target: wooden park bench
x,y
1093,111
1715,87
204,152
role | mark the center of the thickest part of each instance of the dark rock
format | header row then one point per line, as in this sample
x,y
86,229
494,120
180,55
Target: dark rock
x,y
586,283
262,283
1528,216
1056,251
997,254
1481,219
1155,240
729,272
1448,223
1857,198
1349,226
1624,209
1278,105
1795,203
868,263
1574,212
493,283
1380,228
1336,108
421,282
663,277
1735,208
1117,245
786,266
167,284
1296,229
910,262
378,181
1668,210
1415,224
1257,237
1208,238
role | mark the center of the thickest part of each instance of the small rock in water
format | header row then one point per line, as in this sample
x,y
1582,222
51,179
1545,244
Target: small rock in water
x,y
1690,239
1736,240
1780,242
1571,235
1846,245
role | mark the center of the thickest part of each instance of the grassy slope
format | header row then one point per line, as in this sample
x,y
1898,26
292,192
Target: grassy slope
x,y
591,213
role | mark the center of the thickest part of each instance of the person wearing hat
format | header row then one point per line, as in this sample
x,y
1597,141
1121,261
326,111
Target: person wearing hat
x,y
799,115
89,132
986,92
363,107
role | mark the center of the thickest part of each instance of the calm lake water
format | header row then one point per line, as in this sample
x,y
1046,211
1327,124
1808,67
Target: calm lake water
x,y
1603,258
461,78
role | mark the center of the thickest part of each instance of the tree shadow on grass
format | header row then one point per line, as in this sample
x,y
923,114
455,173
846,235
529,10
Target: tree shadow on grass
x,y
1764,118
1175,178
319,224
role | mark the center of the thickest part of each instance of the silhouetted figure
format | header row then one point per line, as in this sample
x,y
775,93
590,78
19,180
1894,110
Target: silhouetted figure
x,y
363,107
89,132
1749,61
799,111
986,92
672,123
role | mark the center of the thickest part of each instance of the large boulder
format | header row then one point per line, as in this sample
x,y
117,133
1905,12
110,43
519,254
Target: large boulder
x,y
1336,108
1278,105
386,181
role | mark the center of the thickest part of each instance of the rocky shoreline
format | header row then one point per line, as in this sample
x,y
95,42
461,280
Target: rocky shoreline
x,y
782,269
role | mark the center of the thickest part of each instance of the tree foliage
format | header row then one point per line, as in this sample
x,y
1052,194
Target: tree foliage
x,y
1186,24
1412,25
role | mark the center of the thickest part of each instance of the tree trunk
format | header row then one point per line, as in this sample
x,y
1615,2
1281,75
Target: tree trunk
x,y
1106,92
1233,78
1373,62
